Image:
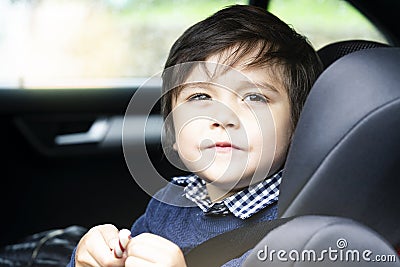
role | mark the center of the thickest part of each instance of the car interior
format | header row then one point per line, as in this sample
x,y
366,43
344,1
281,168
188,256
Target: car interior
x,y
64,168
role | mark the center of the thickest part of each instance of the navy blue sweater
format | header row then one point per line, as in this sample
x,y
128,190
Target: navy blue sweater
x,y
187,225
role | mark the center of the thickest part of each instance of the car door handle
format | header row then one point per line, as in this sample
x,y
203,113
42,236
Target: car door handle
x,y
95,134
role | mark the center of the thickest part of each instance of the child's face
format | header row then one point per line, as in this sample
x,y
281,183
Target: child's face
x,y
232,129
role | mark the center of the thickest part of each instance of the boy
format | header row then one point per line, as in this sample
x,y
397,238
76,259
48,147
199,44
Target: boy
x,y
233,88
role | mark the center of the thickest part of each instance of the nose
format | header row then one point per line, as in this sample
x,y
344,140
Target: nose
x,y
223,125
225,117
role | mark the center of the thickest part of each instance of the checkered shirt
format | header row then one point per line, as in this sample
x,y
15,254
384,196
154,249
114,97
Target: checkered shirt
x,y
242,204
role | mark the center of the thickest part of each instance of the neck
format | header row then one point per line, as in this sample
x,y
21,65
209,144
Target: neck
x,y
216,193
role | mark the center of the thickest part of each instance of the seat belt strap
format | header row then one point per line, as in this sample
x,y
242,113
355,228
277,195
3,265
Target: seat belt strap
x,y
230,245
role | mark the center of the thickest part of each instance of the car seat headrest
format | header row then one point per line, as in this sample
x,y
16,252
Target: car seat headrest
x,y
331,52
345,153
321,241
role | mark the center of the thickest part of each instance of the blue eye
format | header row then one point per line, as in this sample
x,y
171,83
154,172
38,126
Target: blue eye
x,y
199,96
255,98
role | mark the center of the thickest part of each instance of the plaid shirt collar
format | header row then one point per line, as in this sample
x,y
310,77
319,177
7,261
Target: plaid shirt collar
x,y
242,204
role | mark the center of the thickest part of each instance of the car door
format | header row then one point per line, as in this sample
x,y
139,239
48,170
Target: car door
x,y
69,72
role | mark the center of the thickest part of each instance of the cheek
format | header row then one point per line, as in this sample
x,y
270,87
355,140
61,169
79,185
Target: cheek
x,y
283,137
283,131
183,133
269,138
188,136
260,131
187,121
265,144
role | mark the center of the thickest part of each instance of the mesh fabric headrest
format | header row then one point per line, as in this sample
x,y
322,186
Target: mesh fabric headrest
x,y
331,52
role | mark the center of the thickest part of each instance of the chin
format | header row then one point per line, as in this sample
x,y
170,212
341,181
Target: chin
x,y
228,183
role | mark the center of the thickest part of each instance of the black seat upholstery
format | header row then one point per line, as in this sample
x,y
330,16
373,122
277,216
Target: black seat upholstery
x,y
332,52
322,241
345,154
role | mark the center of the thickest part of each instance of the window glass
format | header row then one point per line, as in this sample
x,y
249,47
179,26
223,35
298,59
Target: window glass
x,y
44,41
326,21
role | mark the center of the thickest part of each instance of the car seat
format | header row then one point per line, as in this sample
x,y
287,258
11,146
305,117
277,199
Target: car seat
x,y
345,153
322,241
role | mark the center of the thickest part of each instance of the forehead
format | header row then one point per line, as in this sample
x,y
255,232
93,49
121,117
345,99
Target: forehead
x,y
226,71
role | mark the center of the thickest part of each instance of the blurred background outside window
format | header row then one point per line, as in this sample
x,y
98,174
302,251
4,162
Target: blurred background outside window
x,y
105,43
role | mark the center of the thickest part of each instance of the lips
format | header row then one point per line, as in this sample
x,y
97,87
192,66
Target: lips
x,y
224,147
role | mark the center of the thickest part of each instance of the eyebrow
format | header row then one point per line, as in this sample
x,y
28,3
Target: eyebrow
x,y
191,86
262,85
194,85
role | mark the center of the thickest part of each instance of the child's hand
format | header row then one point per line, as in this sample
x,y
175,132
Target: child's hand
x,y
95,247
153,250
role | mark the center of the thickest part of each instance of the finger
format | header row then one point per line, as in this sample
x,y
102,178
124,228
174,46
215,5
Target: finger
x,y
99,245
143,251
83,256
133,261
124,236
155,241
155,249
85,259
113,243
109,233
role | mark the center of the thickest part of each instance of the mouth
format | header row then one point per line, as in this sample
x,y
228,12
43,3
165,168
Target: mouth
x,y
224,147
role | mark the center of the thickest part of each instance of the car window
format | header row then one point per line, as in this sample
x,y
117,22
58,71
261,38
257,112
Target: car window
x,y
326,21
91,43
